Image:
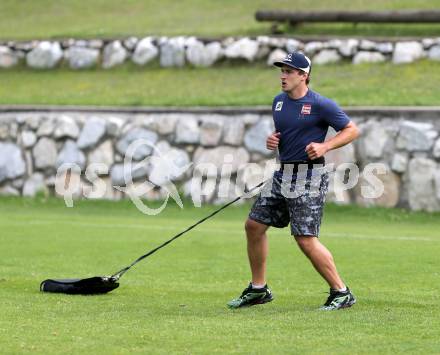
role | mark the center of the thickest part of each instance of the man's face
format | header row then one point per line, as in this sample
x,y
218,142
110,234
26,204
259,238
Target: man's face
x,y
291,78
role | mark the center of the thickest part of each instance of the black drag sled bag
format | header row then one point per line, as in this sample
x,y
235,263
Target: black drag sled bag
x,y
90,286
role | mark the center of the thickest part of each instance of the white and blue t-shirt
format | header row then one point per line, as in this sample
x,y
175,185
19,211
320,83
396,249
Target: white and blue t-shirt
x,y
304,121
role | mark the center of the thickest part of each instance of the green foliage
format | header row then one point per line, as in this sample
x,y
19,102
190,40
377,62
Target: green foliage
x,y
174,302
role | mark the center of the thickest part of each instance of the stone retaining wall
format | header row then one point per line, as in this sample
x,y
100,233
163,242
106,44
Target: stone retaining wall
x,y
33,145
181,51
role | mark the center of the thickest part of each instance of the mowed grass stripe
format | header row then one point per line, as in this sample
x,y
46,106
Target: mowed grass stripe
x,y
224,85
237,231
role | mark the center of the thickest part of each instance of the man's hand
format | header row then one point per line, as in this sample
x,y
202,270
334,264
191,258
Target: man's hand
x,y
346,135
316,150
273,140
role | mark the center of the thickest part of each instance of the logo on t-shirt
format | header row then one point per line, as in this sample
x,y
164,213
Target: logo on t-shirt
x,y
279,106
306,109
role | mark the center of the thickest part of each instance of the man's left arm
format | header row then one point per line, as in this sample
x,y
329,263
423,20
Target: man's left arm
x,y
346,135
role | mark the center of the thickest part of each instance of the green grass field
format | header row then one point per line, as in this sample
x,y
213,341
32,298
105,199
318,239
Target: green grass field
x,y
383,84
174,302
29,19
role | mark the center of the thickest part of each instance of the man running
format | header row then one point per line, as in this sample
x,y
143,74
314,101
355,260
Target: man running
x,y
302,118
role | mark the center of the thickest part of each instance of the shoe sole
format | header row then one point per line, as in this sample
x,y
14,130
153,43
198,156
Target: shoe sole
x,y
262,302
348,305
253,304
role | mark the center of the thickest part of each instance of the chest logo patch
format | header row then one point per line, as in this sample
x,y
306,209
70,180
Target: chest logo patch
x,y
279,106
306,109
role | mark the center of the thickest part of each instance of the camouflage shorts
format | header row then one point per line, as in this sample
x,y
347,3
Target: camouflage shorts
x,y
295,200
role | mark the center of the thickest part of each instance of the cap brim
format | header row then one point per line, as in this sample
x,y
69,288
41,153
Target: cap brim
x,y
281,64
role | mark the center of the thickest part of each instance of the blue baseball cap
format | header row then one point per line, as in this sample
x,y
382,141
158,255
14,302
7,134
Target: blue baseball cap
x,y
296,60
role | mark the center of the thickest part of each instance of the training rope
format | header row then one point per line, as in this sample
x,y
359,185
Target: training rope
x,y
115,277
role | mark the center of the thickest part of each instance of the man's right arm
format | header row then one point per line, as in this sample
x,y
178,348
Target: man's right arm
x,y
346,135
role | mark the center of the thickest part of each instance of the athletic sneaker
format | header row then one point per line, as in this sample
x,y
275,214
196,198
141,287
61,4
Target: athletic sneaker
x,y
338,300
252,296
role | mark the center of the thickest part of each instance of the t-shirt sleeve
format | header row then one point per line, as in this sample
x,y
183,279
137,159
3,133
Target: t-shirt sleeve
x,y
273,112
273,103
333,114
